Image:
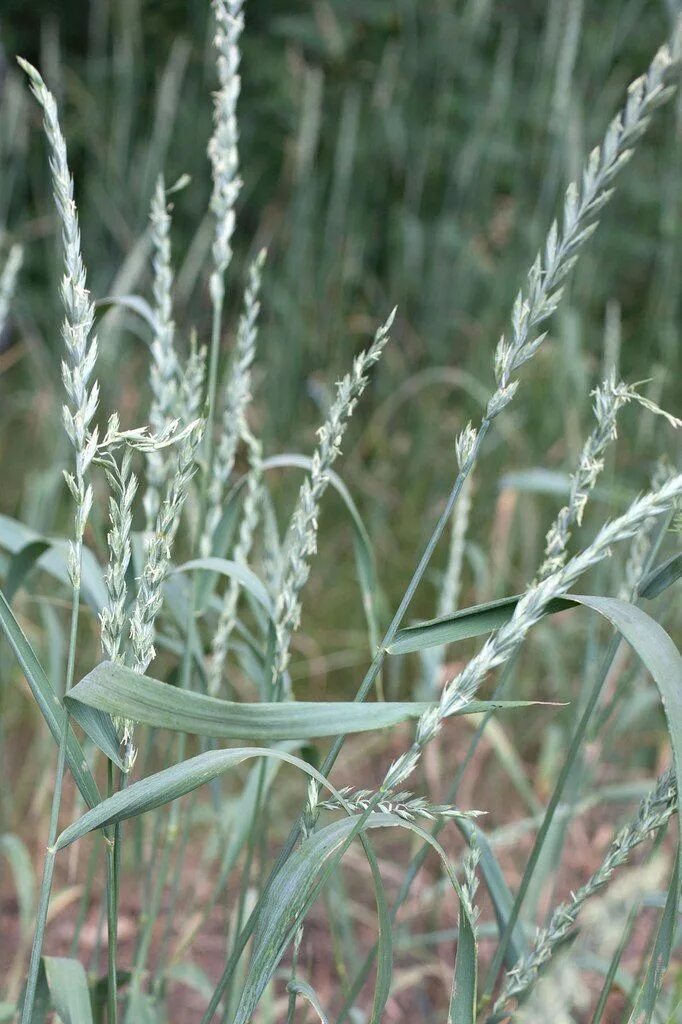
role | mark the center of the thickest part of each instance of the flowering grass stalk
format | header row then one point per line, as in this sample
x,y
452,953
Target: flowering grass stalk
x,y
300,544
227,619
236,400
609,398
223,153
164,366
654,812
583,204
500,647
82,393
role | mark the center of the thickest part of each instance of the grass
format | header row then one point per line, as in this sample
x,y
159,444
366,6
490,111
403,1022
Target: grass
x,y
172,595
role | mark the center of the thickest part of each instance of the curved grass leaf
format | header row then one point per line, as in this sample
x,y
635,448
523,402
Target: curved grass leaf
x,y
661,658
171,783
15,535
233,570
302,988
463,625
21,564
47,701
133,303
117,690
299,882
661,577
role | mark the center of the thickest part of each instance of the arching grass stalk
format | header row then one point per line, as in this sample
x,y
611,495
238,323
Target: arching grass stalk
x,y
654,812
644,559
582,206
567,767
82,396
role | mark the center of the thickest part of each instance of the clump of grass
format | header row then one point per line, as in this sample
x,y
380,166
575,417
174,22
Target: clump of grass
x,y
185,466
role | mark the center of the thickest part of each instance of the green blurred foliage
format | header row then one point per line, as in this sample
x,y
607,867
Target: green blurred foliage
x,y
399,151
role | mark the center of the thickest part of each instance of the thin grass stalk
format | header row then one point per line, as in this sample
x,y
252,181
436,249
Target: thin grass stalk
x,y
560,784
654,812
77,369
224,156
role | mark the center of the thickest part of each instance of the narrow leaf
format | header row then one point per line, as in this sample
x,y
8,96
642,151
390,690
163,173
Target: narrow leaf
x,y
68,987
118,690
171,783
661,577
21,564
47,701
470,622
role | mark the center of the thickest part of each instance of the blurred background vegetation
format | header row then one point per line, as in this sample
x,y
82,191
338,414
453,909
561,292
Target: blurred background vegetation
x,y
408,152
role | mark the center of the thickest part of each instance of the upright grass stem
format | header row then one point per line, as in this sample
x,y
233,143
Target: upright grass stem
x,y
82,397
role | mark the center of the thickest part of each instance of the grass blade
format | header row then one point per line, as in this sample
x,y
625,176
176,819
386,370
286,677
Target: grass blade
x,y
463,625
661,577
171,783
46,700
118,690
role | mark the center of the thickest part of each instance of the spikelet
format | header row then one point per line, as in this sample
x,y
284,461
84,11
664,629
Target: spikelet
x,y
222,148
609,399
583,204
81,349
237,397
301,540
227,619
164,368
654,812
8,281
501,645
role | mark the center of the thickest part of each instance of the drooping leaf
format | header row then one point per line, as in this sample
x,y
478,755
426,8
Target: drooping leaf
x,y
54,560
660,657
118,690
171,783
302,988
233,570
134,303
21,564
299,882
